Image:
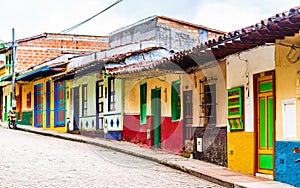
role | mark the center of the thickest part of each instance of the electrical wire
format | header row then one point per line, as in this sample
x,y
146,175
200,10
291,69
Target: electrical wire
x,y
83,22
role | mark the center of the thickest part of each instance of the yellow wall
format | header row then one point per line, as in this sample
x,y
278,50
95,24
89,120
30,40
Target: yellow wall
x,y
286,74
27,88
241,151
132,93
215,70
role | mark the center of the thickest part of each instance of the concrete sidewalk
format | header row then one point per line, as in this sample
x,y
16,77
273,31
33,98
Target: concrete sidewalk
x,y
214,173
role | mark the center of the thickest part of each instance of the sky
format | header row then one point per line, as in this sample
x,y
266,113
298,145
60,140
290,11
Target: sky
x,y
34,17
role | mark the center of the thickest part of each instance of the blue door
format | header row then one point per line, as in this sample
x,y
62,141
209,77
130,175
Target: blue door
x,y
59,103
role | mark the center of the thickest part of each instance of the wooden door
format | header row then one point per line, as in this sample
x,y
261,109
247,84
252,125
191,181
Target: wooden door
x,y
75,94
38,105
188,131
48,103
100,104
265,123
19,103
156,116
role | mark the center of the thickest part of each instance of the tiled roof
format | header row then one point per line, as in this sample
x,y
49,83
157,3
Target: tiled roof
x,y
266,31
262,33
110,63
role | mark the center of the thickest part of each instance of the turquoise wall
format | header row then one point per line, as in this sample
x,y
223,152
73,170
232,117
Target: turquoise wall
x,y
287,170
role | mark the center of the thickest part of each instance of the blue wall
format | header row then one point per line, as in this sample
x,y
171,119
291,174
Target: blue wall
x,y
286,170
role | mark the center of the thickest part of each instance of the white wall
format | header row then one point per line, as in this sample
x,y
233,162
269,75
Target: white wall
x,y
249,62
90,80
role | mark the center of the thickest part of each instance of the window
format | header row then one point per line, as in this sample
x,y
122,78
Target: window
x,y
143,103
8,59
208,102
176,100
100,108
235,108
111,94
84,100
59,103
28,100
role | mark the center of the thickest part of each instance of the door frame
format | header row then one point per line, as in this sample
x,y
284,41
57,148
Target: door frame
x,y
256,117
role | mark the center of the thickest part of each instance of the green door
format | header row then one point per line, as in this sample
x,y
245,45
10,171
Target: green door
x,y
156,116
265,124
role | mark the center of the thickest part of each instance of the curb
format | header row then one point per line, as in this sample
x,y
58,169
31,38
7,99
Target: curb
x,y
166,162
199,175
153,159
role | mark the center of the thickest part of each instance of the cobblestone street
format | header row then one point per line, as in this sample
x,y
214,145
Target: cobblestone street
x,y
29,160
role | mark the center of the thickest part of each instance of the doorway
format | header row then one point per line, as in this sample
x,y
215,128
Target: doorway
x,y
188,131
75,107
265,121
99,104
156,116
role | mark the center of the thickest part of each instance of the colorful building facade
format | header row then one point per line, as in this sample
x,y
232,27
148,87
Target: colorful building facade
x,y
231,101
44,99
152,112
250,78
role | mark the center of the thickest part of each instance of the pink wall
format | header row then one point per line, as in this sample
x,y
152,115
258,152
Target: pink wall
x,y
136,133
171,133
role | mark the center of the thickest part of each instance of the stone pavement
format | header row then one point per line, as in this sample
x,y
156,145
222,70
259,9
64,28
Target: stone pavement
x,y
214,173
